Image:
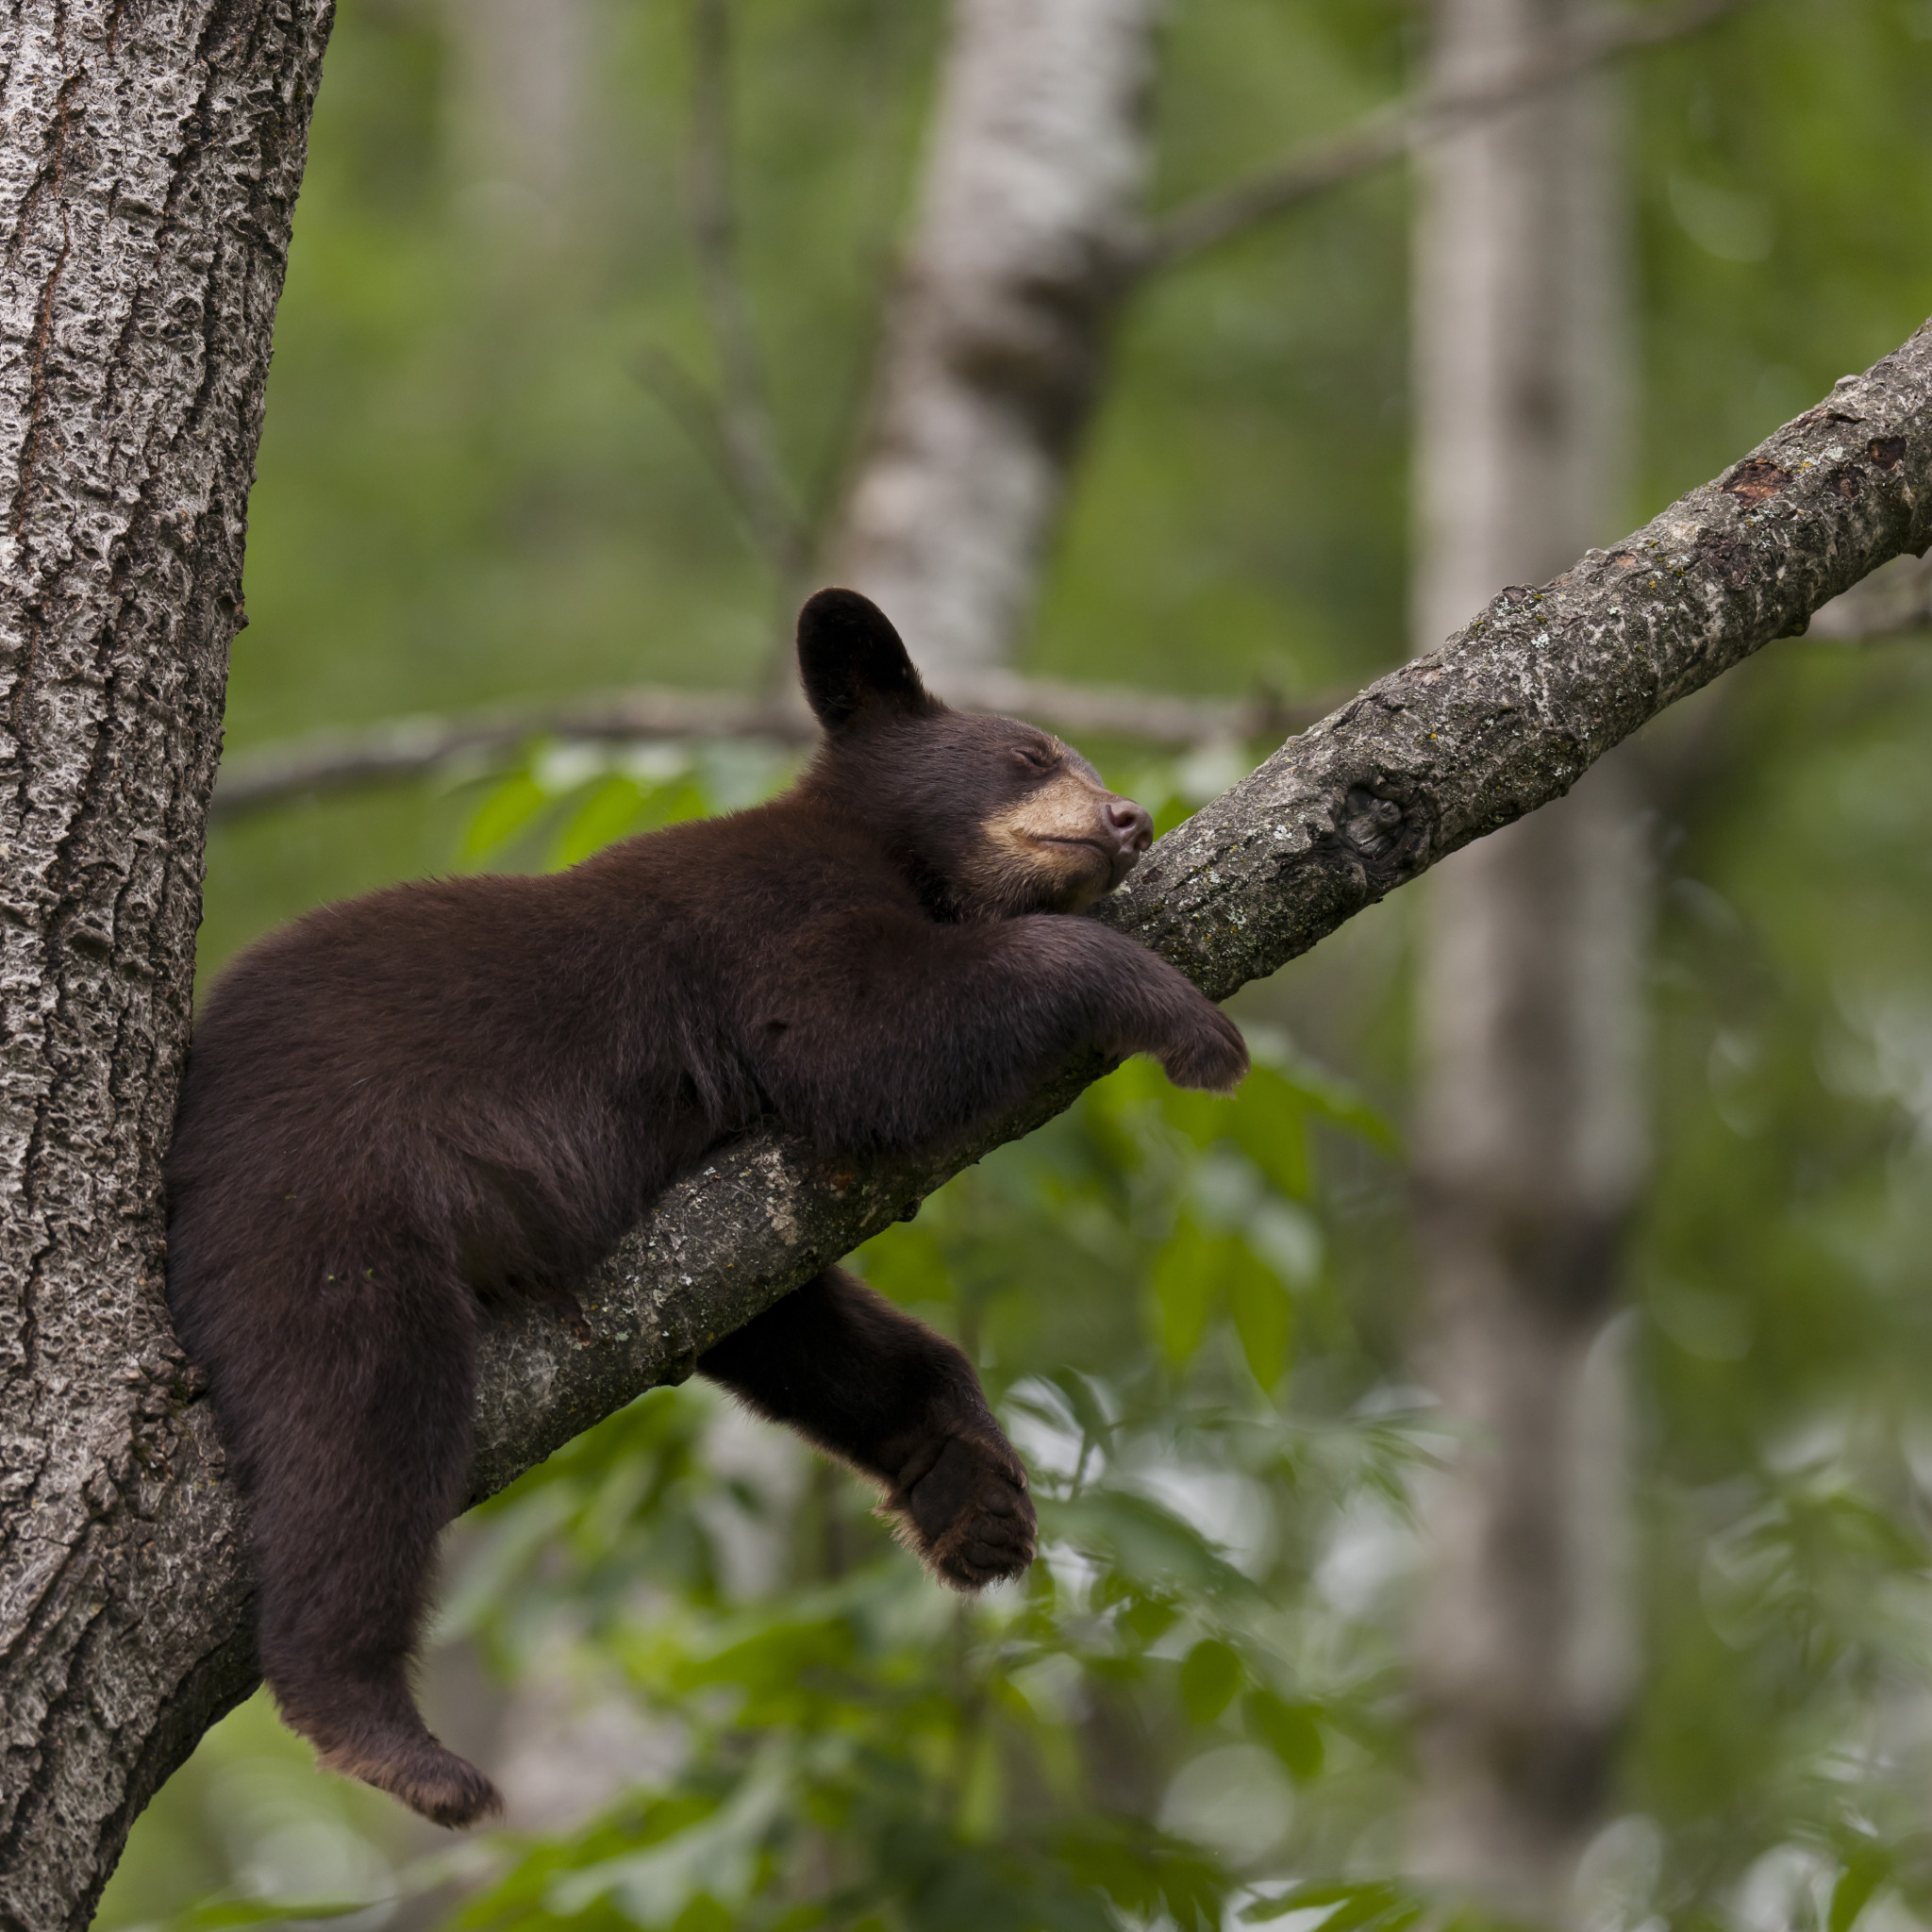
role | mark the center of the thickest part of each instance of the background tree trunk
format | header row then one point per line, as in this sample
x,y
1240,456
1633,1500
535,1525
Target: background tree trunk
x,y
148,169
997,330
519,102
1528,1142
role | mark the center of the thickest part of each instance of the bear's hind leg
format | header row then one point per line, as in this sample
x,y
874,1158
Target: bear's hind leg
x,y
352,1474
882,1393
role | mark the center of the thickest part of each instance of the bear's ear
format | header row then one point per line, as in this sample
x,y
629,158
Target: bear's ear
x,y
850,660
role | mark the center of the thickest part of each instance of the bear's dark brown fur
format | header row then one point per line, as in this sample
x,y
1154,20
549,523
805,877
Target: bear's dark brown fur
x,y
399,1108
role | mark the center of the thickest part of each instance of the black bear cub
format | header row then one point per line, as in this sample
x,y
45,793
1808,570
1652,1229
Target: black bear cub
x,y
402,1108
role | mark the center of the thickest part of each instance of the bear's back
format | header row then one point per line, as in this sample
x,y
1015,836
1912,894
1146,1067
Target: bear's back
x,y
507,1066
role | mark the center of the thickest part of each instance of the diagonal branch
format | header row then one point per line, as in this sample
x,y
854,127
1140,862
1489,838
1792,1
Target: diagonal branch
x,y
1390,133
1504,718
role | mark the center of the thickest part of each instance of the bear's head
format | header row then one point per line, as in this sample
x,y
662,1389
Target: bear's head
x,y
990,817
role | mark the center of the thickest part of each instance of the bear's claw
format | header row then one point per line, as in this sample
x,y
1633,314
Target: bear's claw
x,y
425,1775
967,1513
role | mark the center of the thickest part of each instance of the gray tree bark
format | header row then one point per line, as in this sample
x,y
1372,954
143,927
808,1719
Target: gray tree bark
x,y
996,333
1529,1143
147,171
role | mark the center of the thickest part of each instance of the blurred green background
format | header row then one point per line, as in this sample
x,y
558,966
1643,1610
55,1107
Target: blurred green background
x,y
717,1695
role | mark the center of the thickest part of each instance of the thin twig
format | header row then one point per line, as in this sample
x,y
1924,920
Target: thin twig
x,y
1391,132
694,409
406,748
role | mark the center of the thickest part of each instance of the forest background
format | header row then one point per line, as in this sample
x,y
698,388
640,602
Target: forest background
x,y
716,1692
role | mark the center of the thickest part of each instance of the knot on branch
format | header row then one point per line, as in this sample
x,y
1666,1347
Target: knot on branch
x,y
1728,556
1384,834
1755,479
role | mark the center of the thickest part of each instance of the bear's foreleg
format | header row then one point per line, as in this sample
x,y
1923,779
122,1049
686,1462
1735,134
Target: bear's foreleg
x,y
900,1405
887,1034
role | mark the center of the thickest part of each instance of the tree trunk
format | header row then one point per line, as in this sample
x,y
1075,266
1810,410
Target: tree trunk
x,y
148,169
518,106
995,339
1529,1143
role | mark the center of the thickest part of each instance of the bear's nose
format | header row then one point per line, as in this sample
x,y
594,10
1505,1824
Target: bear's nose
x,y
1130,825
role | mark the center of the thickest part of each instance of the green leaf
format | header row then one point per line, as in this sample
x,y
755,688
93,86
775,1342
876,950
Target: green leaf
x,y
1322,1093
1154,1546
1202,1117
213,1915
1187,1277
907,1263
717,1858
1270,1121
1085,1403
1148,1618
1195,1274
1376,1903
611,810
672,803
1289,1730
1142,1870
1264,1314
1210,1675
502,815
1864,1873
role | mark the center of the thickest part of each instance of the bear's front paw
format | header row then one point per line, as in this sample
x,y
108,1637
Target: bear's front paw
x,y
962,1505
1207,1052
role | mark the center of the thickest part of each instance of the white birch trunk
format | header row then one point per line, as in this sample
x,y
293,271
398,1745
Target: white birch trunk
x,y
1530,1140
520,102
997,332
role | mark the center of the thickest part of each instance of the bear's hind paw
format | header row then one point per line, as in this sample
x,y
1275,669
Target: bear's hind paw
x,y
426,1777
966,1514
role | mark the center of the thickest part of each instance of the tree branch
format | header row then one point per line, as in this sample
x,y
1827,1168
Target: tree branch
x,y
1390,133
405,747
1504,718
